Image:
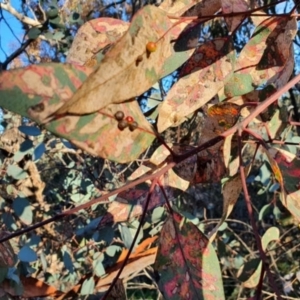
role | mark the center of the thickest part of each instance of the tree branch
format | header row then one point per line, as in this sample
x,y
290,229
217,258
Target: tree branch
x,y
19,16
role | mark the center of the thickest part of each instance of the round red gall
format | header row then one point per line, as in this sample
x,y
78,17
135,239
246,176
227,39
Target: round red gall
x,y
129,119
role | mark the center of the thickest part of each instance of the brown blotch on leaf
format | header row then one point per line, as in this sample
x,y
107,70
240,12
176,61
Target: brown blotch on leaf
x,y
138,60
38,108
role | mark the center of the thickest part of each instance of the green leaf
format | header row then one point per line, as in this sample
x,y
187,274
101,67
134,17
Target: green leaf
x,y
34,33
67,260
52,13
112,250
265,210
3,273
26,254
75,17
9,221
157,214
16,172
56,23
105,234
98,267
58,36
30,130
238,84
25,147
23,210
88,287
38,151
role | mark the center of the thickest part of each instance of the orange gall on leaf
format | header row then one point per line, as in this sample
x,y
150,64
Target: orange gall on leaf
x,y
151,47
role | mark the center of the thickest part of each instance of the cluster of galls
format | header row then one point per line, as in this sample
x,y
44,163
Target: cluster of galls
x,y
127,122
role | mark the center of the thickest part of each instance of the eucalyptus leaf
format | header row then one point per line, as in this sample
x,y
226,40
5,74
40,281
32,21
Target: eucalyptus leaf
x,y
23,210
16,172
26,254
112,250
98,267
88,286
30,130
34,33
39,151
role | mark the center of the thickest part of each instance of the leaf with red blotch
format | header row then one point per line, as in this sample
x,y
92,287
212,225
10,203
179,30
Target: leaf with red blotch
x,y
30,90
201,78
187,263
93,36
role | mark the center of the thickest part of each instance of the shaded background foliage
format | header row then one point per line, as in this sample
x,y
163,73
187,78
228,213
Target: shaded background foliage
x,y
42,175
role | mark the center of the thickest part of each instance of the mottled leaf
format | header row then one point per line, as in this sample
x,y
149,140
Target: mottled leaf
x,y
127,65
186,263
263,57
93,36
208,165
200,79
34,88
